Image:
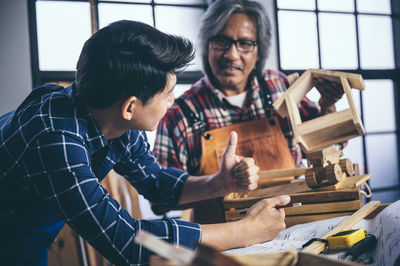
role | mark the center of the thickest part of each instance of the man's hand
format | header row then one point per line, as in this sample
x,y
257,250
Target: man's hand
x,y
238,174
330,92
263,221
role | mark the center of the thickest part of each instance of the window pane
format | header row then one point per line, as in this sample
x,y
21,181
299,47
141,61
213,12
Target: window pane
x,y
169,19
298,40
147,213
109,13
376,42
180,89
151,137
343,103
382,160
186,2
337,5
141,1
60,38
386,196
374,6
379,93
354,151
297,4
338,41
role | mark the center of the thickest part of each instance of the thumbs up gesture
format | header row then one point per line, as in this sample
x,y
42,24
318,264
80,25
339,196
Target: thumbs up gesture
x,y
238,174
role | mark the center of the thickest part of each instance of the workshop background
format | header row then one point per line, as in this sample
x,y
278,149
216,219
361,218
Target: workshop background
x,y
41,41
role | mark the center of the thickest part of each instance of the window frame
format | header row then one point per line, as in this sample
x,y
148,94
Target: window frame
x,y
377,74
40,77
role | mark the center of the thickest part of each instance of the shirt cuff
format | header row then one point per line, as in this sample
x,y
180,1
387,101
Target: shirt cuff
x,y
186,234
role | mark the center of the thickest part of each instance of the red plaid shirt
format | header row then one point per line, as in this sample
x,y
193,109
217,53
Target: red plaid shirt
x,y
178,144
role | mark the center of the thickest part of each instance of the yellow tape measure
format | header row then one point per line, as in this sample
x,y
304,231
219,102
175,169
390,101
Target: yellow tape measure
x,y
346,238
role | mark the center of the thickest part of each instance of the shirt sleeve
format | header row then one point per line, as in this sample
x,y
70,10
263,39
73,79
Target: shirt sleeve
x,y
60,170
161,186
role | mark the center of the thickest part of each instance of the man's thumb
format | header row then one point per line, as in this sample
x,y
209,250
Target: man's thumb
x,y
231,145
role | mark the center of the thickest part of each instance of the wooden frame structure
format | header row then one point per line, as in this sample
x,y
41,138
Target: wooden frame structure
x,y
328,129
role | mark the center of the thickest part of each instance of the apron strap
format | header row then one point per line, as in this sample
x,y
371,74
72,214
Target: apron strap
x,y
269,109
193,118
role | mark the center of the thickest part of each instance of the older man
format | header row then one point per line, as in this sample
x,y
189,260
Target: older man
x,y
235,94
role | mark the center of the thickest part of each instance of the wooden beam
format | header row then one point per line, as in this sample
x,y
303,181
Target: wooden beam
x,y
304,197
306,209
294,187
281,172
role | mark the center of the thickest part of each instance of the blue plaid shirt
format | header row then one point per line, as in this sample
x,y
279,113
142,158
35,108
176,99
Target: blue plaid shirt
x,y
52,159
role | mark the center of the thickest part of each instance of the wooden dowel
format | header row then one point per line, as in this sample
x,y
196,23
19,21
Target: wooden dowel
x,y
282,172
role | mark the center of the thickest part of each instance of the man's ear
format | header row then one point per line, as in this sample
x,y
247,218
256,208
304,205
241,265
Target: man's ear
x,y
128,107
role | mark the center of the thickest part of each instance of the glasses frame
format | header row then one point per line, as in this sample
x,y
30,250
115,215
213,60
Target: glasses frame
x,y
232,41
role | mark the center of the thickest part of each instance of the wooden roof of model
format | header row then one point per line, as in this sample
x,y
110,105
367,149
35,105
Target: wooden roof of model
x,y
328,129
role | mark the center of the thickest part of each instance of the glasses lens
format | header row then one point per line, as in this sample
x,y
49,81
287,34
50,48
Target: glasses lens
x,y
220,43
244,46
226,43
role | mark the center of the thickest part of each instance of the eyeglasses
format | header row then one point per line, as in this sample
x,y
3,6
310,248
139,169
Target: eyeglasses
x,y
224,43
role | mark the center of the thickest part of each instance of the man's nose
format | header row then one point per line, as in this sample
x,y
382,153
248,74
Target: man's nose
x,y
232,53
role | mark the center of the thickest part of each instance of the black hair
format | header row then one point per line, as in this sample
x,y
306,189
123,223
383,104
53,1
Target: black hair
x,y
128,58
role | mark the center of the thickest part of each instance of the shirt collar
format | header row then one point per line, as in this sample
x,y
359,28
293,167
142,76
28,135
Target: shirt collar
x,y
254,89
94,137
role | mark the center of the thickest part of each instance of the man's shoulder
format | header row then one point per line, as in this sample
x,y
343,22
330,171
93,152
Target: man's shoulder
x,y
48,108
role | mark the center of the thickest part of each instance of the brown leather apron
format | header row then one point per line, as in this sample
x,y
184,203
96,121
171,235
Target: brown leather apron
x,y
259,139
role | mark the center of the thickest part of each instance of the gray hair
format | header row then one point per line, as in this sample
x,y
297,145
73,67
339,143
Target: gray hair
x,y
215,18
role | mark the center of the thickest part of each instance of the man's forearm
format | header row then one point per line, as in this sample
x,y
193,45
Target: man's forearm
x,y
197,188
225,236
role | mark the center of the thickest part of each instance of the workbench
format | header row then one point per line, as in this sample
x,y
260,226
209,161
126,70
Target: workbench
x,y
385,226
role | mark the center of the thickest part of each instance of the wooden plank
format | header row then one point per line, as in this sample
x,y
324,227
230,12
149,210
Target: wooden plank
x,y
377,211
326,196
356,80
281,172
305,209
301,219
324,207
299,89
293,220
325,122
304,197
348,182
347,224
294,187
356,117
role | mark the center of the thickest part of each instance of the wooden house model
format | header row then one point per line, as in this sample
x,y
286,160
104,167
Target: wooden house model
x,y
328,129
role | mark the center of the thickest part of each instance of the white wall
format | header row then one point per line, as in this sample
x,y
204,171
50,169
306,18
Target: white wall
x,y
15,63
272,61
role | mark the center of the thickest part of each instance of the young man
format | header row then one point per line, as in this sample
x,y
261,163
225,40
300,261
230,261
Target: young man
x,y
61,142
236,93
